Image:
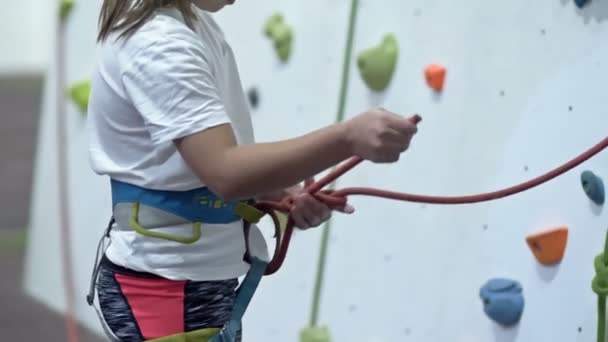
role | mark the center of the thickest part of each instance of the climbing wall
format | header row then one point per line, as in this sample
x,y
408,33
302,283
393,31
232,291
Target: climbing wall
x,y
522,93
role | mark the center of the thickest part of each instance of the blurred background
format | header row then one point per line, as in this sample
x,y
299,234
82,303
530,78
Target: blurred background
x,y
27,29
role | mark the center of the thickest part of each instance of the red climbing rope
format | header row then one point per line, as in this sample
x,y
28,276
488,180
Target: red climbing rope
x,y
62,180
338,198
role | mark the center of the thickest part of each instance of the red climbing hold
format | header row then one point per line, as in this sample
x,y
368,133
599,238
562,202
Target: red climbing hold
x,y
435,76
548,246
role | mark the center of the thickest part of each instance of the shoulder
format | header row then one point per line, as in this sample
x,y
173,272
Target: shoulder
x,y
163,32
209,24
164,36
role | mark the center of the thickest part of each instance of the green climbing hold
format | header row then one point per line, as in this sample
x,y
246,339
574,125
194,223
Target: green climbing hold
x,y
600,280
79,93
377,64
599,285
65,8
281,34
315,334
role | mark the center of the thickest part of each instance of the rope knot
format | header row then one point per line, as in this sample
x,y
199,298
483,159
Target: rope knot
x,y
327,197
600,280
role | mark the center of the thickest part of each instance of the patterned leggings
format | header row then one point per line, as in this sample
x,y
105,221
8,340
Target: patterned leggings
x,y
141,306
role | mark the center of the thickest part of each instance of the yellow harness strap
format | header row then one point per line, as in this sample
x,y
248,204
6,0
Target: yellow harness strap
x,y
202,335
248,212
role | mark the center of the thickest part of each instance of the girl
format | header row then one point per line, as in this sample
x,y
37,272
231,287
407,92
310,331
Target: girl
x,y
169,123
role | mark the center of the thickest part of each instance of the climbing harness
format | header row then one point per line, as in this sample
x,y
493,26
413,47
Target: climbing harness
x,y
198,206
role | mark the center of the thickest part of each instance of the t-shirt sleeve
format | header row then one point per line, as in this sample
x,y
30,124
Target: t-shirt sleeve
x,y
172,86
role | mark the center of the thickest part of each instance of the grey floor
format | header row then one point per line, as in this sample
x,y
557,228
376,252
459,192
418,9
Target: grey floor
x,y
21,318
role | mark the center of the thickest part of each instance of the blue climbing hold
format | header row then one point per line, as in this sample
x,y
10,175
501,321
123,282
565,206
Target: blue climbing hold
x,y
503,301
581,3
593,186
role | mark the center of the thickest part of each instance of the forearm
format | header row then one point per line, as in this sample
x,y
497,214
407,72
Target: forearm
x,y
270,167
278,195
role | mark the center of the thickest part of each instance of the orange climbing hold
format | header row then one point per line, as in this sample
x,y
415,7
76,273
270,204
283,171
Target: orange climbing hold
x,y
548,246
435,76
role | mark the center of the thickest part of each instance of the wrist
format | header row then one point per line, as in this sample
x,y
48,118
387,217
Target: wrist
x,y
345,140
278,195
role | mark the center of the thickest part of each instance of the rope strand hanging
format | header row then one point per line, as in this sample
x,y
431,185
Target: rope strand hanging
x,y
337,198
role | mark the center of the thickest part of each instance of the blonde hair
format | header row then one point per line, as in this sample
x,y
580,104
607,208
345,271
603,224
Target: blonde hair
x,y
127,16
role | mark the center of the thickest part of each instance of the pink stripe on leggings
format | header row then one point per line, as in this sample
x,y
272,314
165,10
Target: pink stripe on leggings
x,y
157,304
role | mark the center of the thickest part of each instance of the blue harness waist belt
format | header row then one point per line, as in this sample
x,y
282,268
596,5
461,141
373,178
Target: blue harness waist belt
x,y
197,205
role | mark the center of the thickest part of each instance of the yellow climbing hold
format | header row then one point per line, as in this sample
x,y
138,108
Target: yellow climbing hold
x,y
79,93
65,8
315,334
281,34
377,64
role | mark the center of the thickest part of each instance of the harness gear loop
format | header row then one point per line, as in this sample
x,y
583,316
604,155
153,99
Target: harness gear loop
x,y
133,223
228,333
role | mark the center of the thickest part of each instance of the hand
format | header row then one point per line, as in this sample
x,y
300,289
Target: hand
x,y
308,212
379,135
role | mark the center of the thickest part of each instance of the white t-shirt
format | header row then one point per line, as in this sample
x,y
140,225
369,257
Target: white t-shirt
x,y
165,82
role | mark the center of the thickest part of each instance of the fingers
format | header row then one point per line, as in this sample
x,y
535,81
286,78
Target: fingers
x,y
386,158
396,141
348,209
401,125
396,136
299,220
308,212
391,150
